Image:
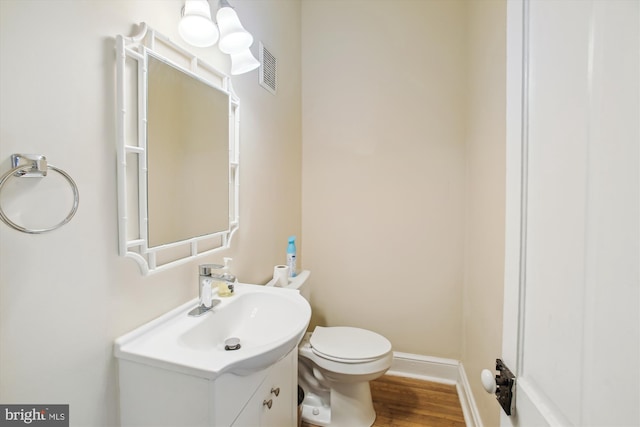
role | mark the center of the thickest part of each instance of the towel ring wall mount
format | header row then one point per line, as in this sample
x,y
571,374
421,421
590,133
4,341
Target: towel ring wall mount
x,y
35,165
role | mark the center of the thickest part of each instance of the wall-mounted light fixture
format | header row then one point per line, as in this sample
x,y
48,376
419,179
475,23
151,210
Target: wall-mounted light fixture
x,y
196,26
197,29
243,62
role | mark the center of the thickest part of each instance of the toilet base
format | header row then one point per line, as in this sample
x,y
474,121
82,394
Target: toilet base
x,y
351,406
314,412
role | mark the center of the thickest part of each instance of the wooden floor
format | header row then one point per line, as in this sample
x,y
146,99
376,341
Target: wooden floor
x,y
406,402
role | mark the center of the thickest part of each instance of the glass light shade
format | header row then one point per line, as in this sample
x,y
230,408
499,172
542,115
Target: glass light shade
x,y
243,62
233,37
196,26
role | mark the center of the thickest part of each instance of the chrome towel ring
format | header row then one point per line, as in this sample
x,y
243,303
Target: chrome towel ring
x,y
29,165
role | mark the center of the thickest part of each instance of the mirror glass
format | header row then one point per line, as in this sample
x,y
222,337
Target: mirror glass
x,y
187,155
178,139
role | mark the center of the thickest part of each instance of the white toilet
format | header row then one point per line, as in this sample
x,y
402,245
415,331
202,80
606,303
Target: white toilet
x,y
335,365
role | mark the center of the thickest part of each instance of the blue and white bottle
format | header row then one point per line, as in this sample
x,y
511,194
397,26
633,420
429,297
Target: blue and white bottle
x,y
291,256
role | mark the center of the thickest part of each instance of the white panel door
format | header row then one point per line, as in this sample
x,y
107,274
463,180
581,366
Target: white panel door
x,y
572,275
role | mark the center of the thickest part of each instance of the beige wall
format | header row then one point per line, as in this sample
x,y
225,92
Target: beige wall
x,y
65,296
485,175
384,111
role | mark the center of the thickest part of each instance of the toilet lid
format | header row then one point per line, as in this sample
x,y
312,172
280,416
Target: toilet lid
x,y
347,343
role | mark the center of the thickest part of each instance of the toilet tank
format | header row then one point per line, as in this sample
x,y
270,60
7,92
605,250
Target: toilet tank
x,y
301,282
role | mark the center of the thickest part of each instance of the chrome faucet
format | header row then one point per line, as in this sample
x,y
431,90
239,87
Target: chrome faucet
x,y
225,277
205,299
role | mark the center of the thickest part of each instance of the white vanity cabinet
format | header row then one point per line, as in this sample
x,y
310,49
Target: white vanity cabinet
x,y
160,397
274,404
177,370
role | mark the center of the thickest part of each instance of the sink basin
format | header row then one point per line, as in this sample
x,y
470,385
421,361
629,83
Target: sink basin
x,y
269,322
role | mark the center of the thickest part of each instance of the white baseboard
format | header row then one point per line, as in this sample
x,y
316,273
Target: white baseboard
x,y
468,403
426,368
439,370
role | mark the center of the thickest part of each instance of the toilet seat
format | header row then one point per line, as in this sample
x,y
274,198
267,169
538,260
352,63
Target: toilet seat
x,y
348,345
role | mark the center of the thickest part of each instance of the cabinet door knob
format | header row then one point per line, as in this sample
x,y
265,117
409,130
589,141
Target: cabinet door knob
x,y
267,403
275,391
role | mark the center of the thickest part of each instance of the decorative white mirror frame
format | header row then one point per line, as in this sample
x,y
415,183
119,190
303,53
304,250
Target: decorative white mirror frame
x,y
132,143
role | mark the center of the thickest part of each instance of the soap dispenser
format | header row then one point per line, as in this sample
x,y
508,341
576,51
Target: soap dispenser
x,y
226,287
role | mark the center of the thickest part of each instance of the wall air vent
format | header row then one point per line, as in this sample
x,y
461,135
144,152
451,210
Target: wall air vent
x,y
268,69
